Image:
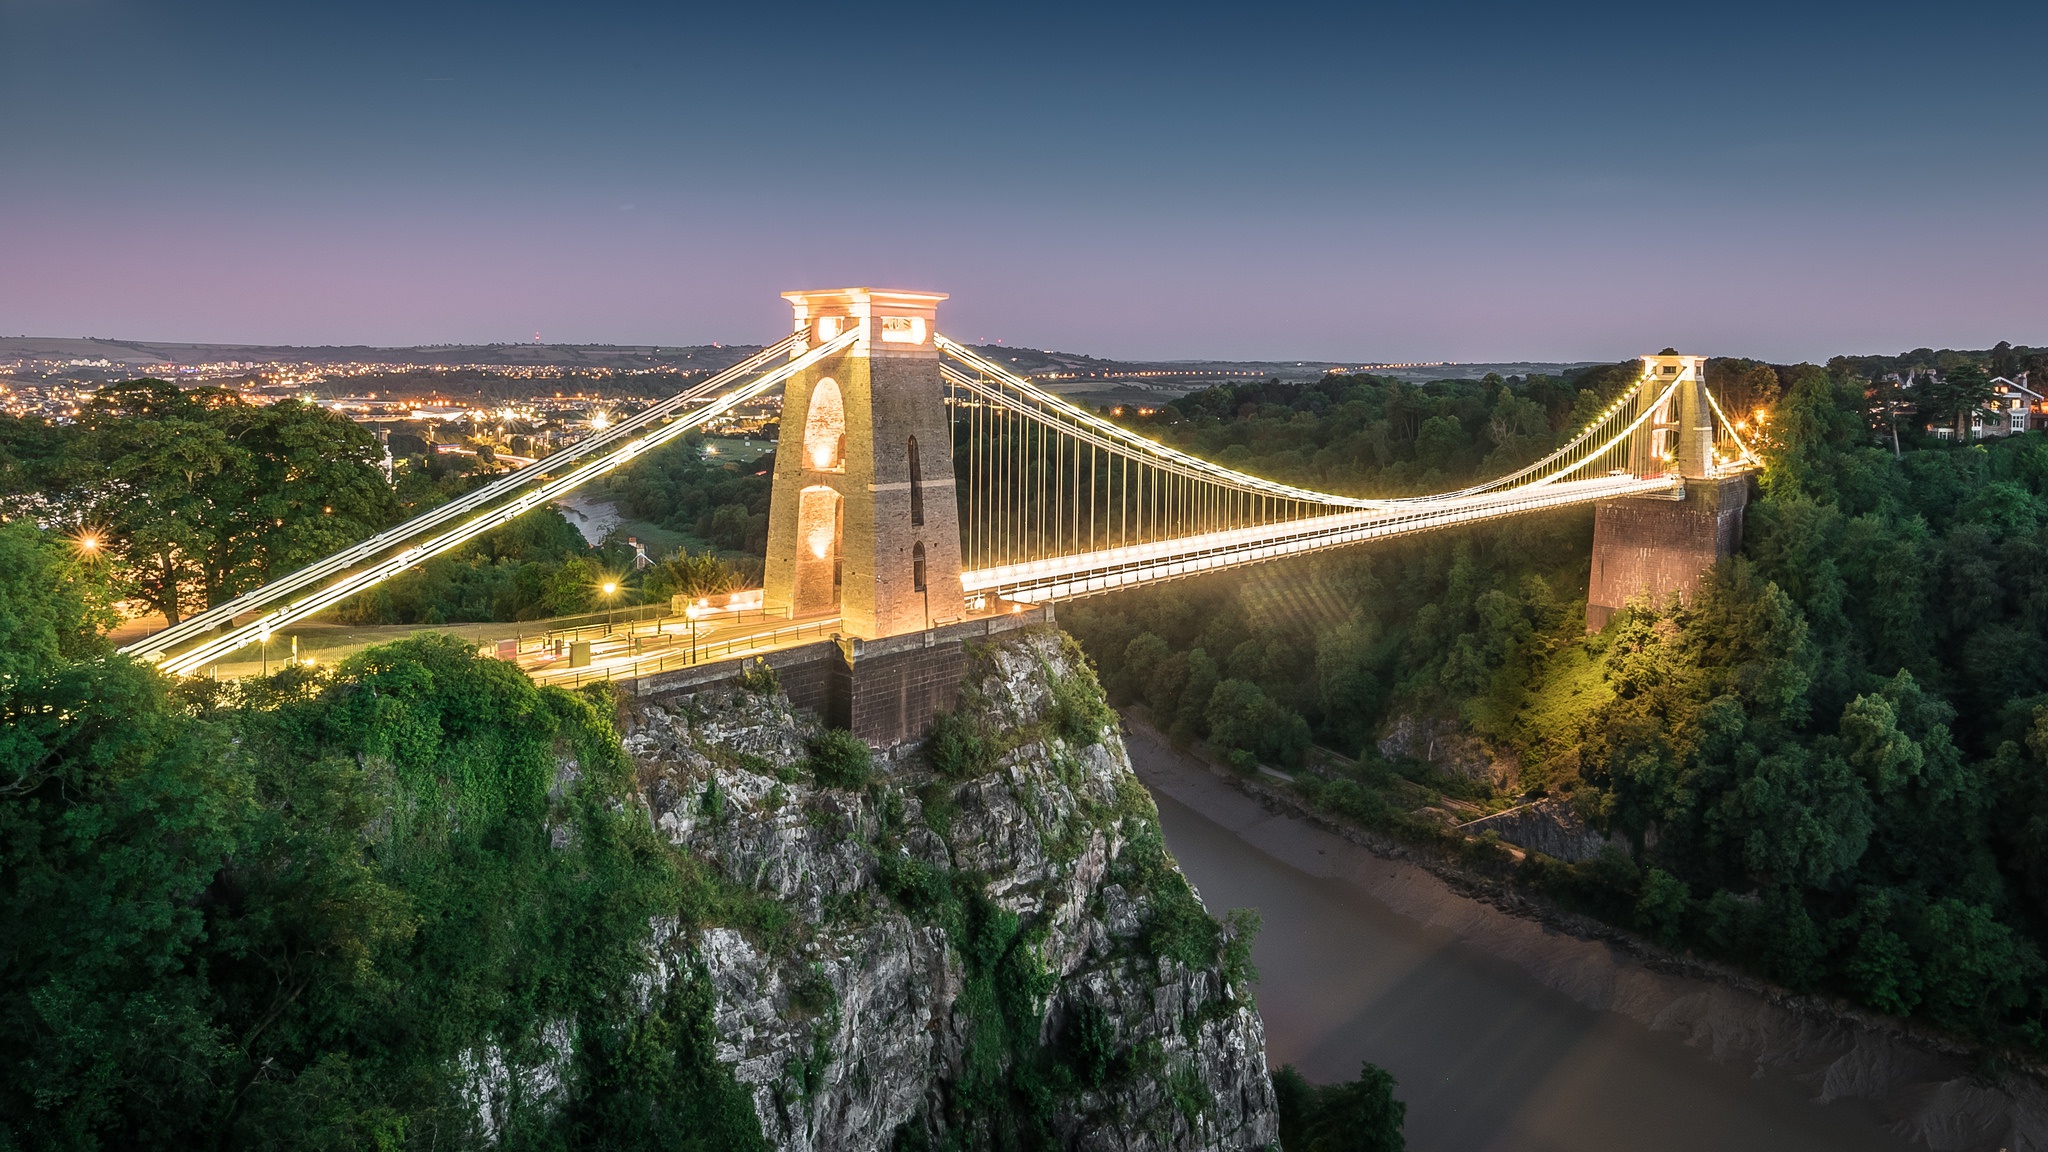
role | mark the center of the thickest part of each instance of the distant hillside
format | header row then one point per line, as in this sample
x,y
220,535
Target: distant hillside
x,y
1072,373
144,353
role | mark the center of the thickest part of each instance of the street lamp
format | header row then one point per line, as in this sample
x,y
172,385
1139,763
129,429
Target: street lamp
x,y
693,612
610,588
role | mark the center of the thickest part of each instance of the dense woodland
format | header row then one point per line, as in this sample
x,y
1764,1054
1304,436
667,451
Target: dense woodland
x,y
1830,765
292,912
193,496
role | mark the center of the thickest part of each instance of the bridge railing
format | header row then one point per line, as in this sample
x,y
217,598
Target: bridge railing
x,y
636,625
686,655
210,650
192,628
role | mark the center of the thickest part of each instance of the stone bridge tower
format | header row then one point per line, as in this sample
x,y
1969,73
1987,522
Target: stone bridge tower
x,y
1659,546
863,519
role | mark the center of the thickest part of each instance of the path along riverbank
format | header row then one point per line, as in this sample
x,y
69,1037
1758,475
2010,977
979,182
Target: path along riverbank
x,y
1510,1030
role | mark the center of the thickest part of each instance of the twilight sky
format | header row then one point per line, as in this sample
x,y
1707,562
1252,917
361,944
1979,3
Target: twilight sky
x,y
1354,182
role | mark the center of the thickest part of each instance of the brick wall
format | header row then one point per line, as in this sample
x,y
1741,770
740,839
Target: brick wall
x,y
897,695
1645,545
886,691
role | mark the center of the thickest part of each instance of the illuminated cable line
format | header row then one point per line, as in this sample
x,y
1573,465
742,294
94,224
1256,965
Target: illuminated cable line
x,y
1177,515
193,626
219,646
1283,530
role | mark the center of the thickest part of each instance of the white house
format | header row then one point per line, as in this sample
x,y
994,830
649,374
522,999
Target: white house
x,y
2014,407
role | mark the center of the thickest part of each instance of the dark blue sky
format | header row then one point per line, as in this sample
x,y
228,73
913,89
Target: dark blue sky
x,y
1405,182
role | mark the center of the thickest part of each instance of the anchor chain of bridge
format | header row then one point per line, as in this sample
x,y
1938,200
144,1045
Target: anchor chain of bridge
x,y
917,483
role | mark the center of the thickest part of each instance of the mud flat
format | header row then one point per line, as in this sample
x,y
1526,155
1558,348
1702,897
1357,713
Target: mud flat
x,y
1512,1031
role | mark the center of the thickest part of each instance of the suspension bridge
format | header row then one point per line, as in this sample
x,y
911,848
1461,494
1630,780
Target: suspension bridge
x,y
920,485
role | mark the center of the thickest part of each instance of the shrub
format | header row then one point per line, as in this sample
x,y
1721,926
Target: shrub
x,y
1243,718
1661,909
1361,1116
1079,712
1088,1045
757,677
839,759
955,747
916,886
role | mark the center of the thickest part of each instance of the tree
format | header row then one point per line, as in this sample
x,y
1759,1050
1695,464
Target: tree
x,y
201,495
1889,402
54,602
53,606
1438,441
693,575
1955,394
1361,1116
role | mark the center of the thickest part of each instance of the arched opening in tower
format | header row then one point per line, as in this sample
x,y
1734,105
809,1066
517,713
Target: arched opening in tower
x,y
916,485
819,521
825,429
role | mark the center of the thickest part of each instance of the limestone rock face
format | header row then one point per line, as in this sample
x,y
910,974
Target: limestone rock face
x,y
951,941
1453,751
1551,826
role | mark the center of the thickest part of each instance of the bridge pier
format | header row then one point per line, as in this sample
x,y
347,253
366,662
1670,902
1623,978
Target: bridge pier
x,y
1656,546
885,691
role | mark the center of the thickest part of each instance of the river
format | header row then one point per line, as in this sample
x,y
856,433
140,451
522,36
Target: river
x,y
1487,1057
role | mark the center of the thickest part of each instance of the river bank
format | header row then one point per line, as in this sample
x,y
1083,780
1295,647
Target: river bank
x,y
1510,1031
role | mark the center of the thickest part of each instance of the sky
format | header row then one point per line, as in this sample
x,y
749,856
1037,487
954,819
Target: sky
x,y
1257,181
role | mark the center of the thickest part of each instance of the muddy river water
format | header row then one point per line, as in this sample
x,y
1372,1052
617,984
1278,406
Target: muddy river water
x,y
1502,1036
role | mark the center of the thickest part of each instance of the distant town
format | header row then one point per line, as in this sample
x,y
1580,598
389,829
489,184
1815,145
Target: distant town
x,y
517,402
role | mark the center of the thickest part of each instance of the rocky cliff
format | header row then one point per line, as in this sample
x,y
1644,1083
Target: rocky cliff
x,y
972,941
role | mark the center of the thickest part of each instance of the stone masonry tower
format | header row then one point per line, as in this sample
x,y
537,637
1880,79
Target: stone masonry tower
x,y
1658,546
863,518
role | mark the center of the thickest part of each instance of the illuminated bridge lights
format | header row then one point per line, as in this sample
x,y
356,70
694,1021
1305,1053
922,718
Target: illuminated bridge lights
x,y
1191,515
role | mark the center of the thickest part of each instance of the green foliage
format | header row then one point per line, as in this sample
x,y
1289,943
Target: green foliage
x,y
237,493
1828,766
1360,1116
1240,930
1242,718
292,915
655,1082
1177,926
196,495
1087,1044
758,677
1079,710
693,575
53,603
955,747
1661,909
839,759
920,889
535,567
719,502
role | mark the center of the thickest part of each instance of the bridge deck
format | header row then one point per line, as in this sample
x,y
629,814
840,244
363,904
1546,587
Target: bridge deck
x,y
1086,573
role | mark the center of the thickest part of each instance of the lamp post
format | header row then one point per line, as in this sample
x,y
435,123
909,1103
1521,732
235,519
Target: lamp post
x,y
693,612
611,588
